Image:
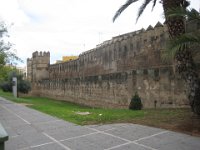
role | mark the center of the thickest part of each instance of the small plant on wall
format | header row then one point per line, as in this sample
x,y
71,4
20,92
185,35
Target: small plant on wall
x,y
136,103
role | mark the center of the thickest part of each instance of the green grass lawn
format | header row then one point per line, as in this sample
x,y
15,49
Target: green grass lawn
x,y
173,119
67,111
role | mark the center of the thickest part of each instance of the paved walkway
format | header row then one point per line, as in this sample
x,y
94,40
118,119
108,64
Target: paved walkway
x,y
29,129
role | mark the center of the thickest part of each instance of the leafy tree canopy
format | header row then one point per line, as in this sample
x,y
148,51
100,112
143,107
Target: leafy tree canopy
x,y
4,72
7,54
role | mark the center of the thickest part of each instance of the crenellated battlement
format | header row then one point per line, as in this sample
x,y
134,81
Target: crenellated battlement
x,y
29,59
136,41
136,34
41,54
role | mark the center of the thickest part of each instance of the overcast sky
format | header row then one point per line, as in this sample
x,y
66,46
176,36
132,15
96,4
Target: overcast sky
x,y
69,27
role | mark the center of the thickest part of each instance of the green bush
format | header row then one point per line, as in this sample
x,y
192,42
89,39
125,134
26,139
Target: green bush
x,y
136,103
23,86
6,87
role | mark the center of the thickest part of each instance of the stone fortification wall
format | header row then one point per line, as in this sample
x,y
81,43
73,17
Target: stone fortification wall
x,y
111,73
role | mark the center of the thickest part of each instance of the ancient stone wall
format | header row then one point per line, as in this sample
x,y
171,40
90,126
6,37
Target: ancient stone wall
x,y
110,74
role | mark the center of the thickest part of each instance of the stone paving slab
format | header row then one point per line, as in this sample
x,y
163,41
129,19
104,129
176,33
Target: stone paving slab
x,y
29,129
96,141
106,127
52,146
131,146
133,132
68,132
172,140
26,140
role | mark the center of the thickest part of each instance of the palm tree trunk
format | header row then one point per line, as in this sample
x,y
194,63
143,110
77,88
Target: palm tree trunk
x,y
183,58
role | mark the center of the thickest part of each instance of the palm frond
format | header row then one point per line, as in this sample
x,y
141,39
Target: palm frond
x,y
154,4
186,13
193,15
178,12
142,8
179,43
122,8
185,39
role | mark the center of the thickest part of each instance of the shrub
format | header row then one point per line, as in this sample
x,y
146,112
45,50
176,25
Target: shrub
x,y
6,87
23,86
136,103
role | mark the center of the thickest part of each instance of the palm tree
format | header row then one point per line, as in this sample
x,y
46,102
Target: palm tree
x,y
183,57
185,43
191,37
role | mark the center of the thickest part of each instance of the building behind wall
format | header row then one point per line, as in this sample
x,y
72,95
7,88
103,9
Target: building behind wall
x,y
110,74
69,58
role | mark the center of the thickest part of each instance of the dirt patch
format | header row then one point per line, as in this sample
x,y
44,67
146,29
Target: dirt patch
x,y
83,113
187,123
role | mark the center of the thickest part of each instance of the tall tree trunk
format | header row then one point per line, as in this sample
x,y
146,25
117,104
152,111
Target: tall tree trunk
x,y
183,58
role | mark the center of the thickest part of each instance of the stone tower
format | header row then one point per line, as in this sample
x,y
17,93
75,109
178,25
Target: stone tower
x,y
37,66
